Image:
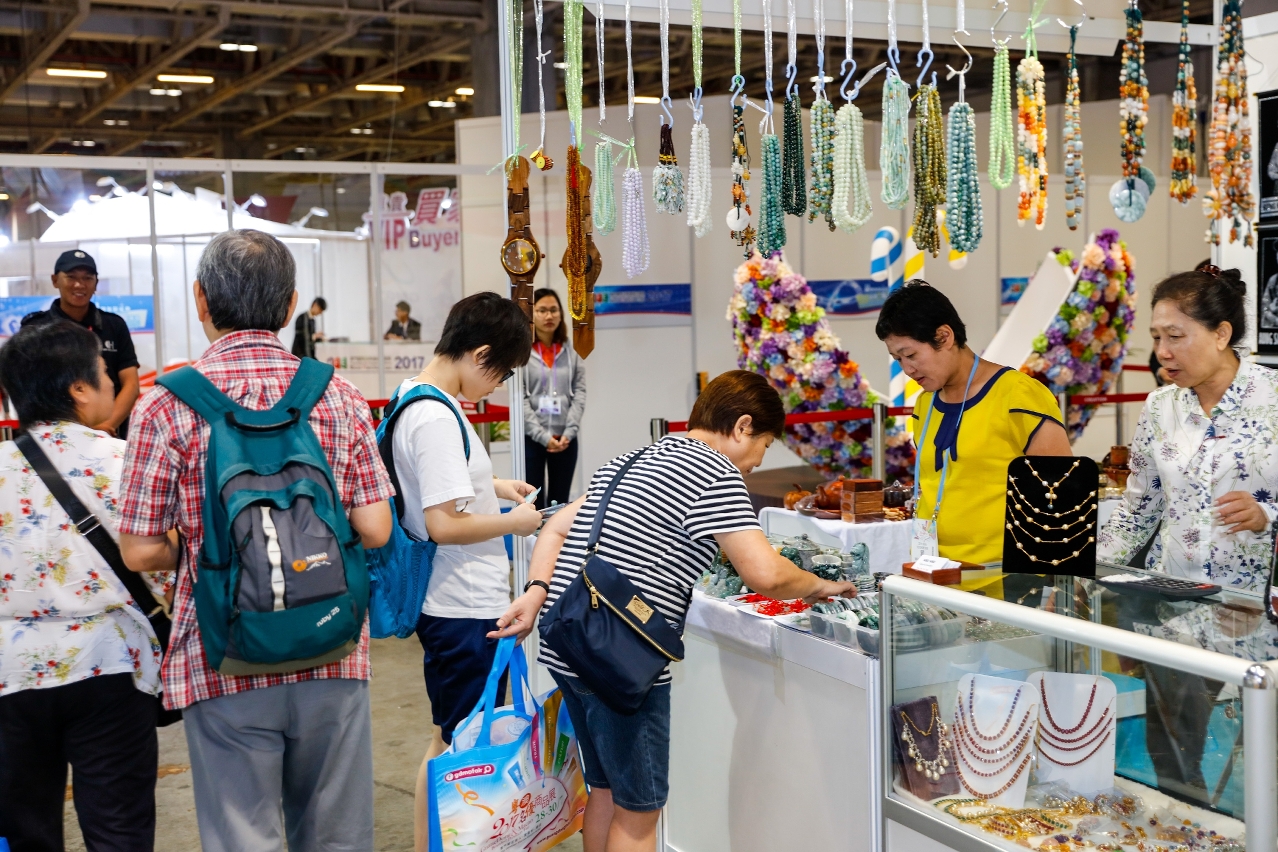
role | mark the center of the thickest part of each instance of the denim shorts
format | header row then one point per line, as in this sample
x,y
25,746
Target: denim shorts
x,y
628,755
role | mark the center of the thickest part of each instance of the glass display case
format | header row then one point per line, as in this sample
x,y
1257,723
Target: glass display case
x,y
1069,716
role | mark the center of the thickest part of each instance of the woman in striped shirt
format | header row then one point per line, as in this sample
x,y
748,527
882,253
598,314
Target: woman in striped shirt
x,y
677,505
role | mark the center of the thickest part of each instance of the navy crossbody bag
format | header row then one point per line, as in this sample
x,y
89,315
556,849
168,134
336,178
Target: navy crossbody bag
x,y
604,629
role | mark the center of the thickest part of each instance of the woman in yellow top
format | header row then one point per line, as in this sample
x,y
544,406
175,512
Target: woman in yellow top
x,y
972,419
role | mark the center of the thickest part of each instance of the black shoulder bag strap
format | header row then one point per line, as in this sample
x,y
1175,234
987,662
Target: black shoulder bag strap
x,y
91,528
592,544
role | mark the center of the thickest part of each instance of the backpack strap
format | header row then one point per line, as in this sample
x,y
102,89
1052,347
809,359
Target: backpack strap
x,y
190,385
386,433
309,384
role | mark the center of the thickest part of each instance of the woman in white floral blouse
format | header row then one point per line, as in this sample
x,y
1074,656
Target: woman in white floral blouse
x,y
1205,457
79,663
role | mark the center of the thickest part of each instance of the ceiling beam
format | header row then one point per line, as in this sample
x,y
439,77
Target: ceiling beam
x,y
399,108
461,11
51,41
173,55
439,47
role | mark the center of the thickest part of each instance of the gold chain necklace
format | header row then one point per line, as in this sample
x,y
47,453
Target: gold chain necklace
x,y
1028,515
1016,525
1051,489
1052,562
1058,515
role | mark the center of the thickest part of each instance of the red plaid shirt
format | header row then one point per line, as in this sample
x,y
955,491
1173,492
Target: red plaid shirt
x,y
163,488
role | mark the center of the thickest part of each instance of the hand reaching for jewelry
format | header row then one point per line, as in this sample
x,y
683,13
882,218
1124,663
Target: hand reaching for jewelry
x,y
1240,512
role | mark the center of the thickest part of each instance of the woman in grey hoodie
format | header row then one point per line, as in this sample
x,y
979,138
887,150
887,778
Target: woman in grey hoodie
x,y
554,402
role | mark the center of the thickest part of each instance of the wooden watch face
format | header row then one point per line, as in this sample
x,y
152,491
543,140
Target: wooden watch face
x,y
520,256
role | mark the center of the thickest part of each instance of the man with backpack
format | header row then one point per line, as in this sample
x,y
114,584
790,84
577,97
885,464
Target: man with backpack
x,y
258,477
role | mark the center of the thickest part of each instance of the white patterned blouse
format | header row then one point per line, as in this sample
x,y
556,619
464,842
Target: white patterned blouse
x,y
1182,460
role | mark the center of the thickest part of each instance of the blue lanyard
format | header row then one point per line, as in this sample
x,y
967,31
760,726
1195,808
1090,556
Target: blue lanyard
x,y
945,457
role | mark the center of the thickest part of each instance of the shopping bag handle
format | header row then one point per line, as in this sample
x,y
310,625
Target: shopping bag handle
x,y
511,655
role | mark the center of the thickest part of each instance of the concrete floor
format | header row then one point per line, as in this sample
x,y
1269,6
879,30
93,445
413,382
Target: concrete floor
x,y
401,733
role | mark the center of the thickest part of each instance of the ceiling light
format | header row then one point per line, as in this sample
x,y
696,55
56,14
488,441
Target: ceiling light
x,y
646,99
465,91
362,131
828,79
173,93
341,190
446,203
76,72
379,87
87,143
231,46
201,79
442,104
4,196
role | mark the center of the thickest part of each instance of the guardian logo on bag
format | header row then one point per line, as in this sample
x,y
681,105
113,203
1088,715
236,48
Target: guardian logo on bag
x,y
308,562
470,772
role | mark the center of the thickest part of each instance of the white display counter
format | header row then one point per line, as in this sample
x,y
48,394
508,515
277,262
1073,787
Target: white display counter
x,y
889,541
773,741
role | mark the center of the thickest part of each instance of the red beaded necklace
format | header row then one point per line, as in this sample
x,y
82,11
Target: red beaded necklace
x,y
1011,714
965,726
1042,690
1084,741
1089,756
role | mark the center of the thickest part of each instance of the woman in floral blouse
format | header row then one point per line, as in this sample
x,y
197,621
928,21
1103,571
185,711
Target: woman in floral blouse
x,y
79,662
1205,457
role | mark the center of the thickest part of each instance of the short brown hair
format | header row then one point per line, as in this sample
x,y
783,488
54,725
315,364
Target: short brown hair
x,y
736,393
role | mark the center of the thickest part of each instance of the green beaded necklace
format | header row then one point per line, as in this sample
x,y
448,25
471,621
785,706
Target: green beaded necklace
x,y
822,133
1002,168
929,169
793,186
771,215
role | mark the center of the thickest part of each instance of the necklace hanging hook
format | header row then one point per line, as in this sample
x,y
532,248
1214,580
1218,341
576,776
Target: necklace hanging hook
x,y
994,26
847,77
738,88
791,87
918,61
666,104
695,104
1081,20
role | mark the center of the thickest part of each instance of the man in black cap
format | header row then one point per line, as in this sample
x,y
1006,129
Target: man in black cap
x,y
75,276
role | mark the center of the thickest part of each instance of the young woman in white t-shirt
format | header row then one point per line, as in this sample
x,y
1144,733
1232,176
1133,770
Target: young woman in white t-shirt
x,y
453,501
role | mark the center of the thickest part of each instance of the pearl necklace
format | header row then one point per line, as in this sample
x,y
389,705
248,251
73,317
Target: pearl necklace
x,y
1002,128
1031,137
933,769
1072,135
1051,488
851,202
929,169
1184,172
699,182
964,218
634,226
894,150
1058,515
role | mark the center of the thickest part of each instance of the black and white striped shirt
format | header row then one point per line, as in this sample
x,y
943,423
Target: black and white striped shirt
x,y
660,526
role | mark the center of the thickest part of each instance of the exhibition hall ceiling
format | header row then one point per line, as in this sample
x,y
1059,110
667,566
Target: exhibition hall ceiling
x,y
372,79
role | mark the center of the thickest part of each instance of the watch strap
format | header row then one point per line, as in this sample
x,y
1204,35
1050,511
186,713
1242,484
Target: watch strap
x,y
542,583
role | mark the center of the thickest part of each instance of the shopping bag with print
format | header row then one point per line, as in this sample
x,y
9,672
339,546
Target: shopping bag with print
x,y
490,790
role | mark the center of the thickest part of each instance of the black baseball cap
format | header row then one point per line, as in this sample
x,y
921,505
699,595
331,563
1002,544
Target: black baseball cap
x,y
74,259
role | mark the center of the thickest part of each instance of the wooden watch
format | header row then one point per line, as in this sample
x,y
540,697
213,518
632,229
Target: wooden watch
x,y
520,254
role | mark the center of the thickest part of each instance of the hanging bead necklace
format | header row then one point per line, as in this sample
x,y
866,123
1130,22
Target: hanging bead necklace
x,y
1031,133
793,188
1133,111
964,219
699,183
515,39
634,226
1072,134
1002,126
894,149
574,11
929,169
667,180
739,227
1229,201
575,255
851,201
771,216
1184,167
822,119
603,203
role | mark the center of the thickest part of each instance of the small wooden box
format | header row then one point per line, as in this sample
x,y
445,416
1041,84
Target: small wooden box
x,y
945,577
861,506
862,485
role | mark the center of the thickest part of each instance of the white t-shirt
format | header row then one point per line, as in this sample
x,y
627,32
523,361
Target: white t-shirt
x,y
469,580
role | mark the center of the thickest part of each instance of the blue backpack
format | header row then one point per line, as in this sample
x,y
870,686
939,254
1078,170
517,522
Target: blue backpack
x,y
282,584
399,571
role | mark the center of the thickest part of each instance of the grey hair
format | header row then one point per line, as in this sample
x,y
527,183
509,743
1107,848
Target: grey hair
x,y
248,279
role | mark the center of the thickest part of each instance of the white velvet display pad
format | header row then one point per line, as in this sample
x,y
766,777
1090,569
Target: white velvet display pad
x,y
1032,315
992,701
1067,694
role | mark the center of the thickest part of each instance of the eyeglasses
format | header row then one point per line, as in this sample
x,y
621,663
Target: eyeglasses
x,y
547,312
507,377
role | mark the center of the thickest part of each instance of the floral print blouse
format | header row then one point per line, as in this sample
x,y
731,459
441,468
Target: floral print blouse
x,y
64,615
1183,460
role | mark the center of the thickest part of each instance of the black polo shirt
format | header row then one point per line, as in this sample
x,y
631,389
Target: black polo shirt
x,y
111,329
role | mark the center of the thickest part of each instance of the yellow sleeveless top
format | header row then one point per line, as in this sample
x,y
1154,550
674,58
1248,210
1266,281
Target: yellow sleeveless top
x,y
998,424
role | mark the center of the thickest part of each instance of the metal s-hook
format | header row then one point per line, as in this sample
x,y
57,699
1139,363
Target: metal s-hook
x,y
666,104
1081,21
962,75
738,89
856,90
791,87
695,104
999,20
847,76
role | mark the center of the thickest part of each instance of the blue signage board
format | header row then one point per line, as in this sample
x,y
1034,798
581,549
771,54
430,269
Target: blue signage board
x,y
851,296
667,299
138,311
1013,289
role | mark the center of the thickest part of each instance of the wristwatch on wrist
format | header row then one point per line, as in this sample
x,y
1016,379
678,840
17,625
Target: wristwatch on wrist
x,y
520,254
532,583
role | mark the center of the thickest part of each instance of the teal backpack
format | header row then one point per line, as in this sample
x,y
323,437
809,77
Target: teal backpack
x,y
282,584
400,570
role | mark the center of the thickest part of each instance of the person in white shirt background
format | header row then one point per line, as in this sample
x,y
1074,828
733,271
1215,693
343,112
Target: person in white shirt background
x,y
453,502
79,662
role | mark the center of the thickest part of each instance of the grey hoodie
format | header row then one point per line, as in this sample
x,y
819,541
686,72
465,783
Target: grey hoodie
x,y
568,378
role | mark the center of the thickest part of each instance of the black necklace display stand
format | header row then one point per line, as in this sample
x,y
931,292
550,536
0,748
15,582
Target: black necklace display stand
x,y
1050,523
